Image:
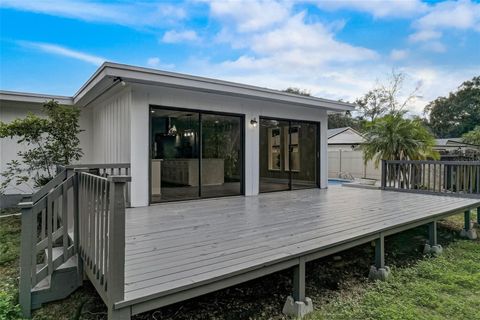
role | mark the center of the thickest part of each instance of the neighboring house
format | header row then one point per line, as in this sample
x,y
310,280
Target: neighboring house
x,y
345,138
345,158
456,149
189,137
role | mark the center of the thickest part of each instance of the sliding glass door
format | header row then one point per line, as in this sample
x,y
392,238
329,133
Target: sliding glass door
x,y
195,154
288,154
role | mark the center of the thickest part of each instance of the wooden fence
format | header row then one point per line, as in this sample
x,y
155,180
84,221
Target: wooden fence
x,y
76,212
445,177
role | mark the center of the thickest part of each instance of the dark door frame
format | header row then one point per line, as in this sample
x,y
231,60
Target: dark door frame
x,y
200,144
317,151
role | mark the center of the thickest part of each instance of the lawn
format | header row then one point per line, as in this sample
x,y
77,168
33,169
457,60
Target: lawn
x,y
445,287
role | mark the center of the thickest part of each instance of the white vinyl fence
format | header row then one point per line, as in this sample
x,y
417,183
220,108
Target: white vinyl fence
x,y
350,162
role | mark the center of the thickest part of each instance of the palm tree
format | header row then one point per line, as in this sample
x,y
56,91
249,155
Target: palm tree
x,y
394,138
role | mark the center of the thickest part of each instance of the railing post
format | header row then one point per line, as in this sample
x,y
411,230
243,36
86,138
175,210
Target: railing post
x,y
76,222
26,261
116,239
384,174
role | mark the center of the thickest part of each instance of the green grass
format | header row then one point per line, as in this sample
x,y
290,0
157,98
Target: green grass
x,y
445,287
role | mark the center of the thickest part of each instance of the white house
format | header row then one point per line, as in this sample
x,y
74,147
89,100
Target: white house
x,y
345,138
188,137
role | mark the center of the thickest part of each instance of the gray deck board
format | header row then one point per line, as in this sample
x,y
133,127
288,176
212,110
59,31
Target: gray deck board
x,y
178,245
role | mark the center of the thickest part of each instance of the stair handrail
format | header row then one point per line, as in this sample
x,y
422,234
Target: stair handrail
x,y
50,204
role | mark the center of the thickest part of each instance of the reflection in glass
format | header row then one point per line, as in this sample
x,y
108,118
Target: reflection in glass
x,y
274,137
288,155
179,139
175,152
303,154
221,155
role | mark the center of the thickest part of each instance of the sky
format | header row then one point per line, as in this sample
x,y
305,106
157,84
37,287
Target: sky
x,y
334,49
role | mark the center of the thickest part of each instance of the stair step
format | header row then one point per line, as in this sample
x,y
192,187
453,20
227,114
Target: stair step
x,y
67,266
57,286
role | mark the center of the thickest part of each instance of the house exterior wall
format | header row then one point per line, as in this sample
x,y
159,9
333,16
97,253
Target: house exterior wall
x,y
143,96
348,137
111,128
11,110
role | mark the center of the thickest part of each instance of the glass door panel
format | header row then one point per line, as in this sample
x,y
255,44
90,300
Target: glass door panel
x,y
274,166
175,155
221,155
303,154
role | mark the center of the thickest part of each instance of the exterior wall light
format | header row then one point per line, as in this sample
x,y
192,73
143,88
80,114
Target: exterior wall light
x,y
254,122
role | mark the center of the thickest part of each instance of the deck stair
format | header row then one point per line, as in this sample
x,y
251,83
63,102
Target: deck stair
x,y
64,228
60,284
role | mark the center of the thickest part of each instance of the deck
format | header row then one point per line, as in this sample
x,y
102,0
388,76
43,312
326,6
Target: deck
x,y
175,251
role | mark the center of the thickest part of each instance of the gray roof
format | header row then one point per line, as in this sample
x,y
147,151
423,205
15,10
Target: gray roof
x,y
334,132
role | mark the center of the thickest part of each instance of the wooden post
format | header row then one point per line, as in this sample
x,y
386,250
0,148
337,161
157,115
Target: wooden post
x,y
116,239
384,174
432,233
467,220
478,215
299,281
76,223
380,252
26,261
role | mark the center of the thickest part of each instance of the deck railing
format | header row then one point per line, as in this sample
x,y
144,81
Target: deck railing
x,y
102,232
45,226
76,210
461,178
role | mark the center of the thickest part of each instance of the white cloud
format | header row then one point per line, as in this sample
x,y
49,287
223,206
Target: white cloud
x,y
398,54
132,14
155,62
424,35
63,51
252,15
443,17
173,36
295,44
462,15
377,8
434,46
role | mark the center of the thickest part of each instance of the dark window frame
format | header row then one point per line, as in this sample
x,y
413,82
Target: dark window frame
x,y
200,145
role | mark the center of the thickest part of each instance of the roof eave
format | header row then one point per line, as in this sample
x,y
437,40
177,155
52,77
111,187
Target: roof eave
x,y
131,74
33,97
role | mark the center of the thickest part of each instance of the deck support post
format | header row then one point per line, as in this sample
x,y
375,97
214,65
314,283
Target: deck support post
x,y
478,217
298,305
119,314
379,271
432,247
468,230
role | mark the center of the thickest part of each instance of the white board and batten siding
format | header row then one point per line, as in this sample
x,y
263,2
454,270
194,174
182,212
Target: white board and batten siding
x,y
143,96
111,129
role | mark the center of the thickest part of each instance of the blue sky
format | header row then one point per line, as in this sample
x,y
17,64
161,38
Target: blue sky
x,y
335,49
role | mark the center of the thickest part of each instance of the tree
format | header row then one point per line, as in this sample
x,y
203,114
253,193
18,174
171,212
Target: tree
x,y
50,141
459,113
386,98
341,120
393,137
472,137
303,92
